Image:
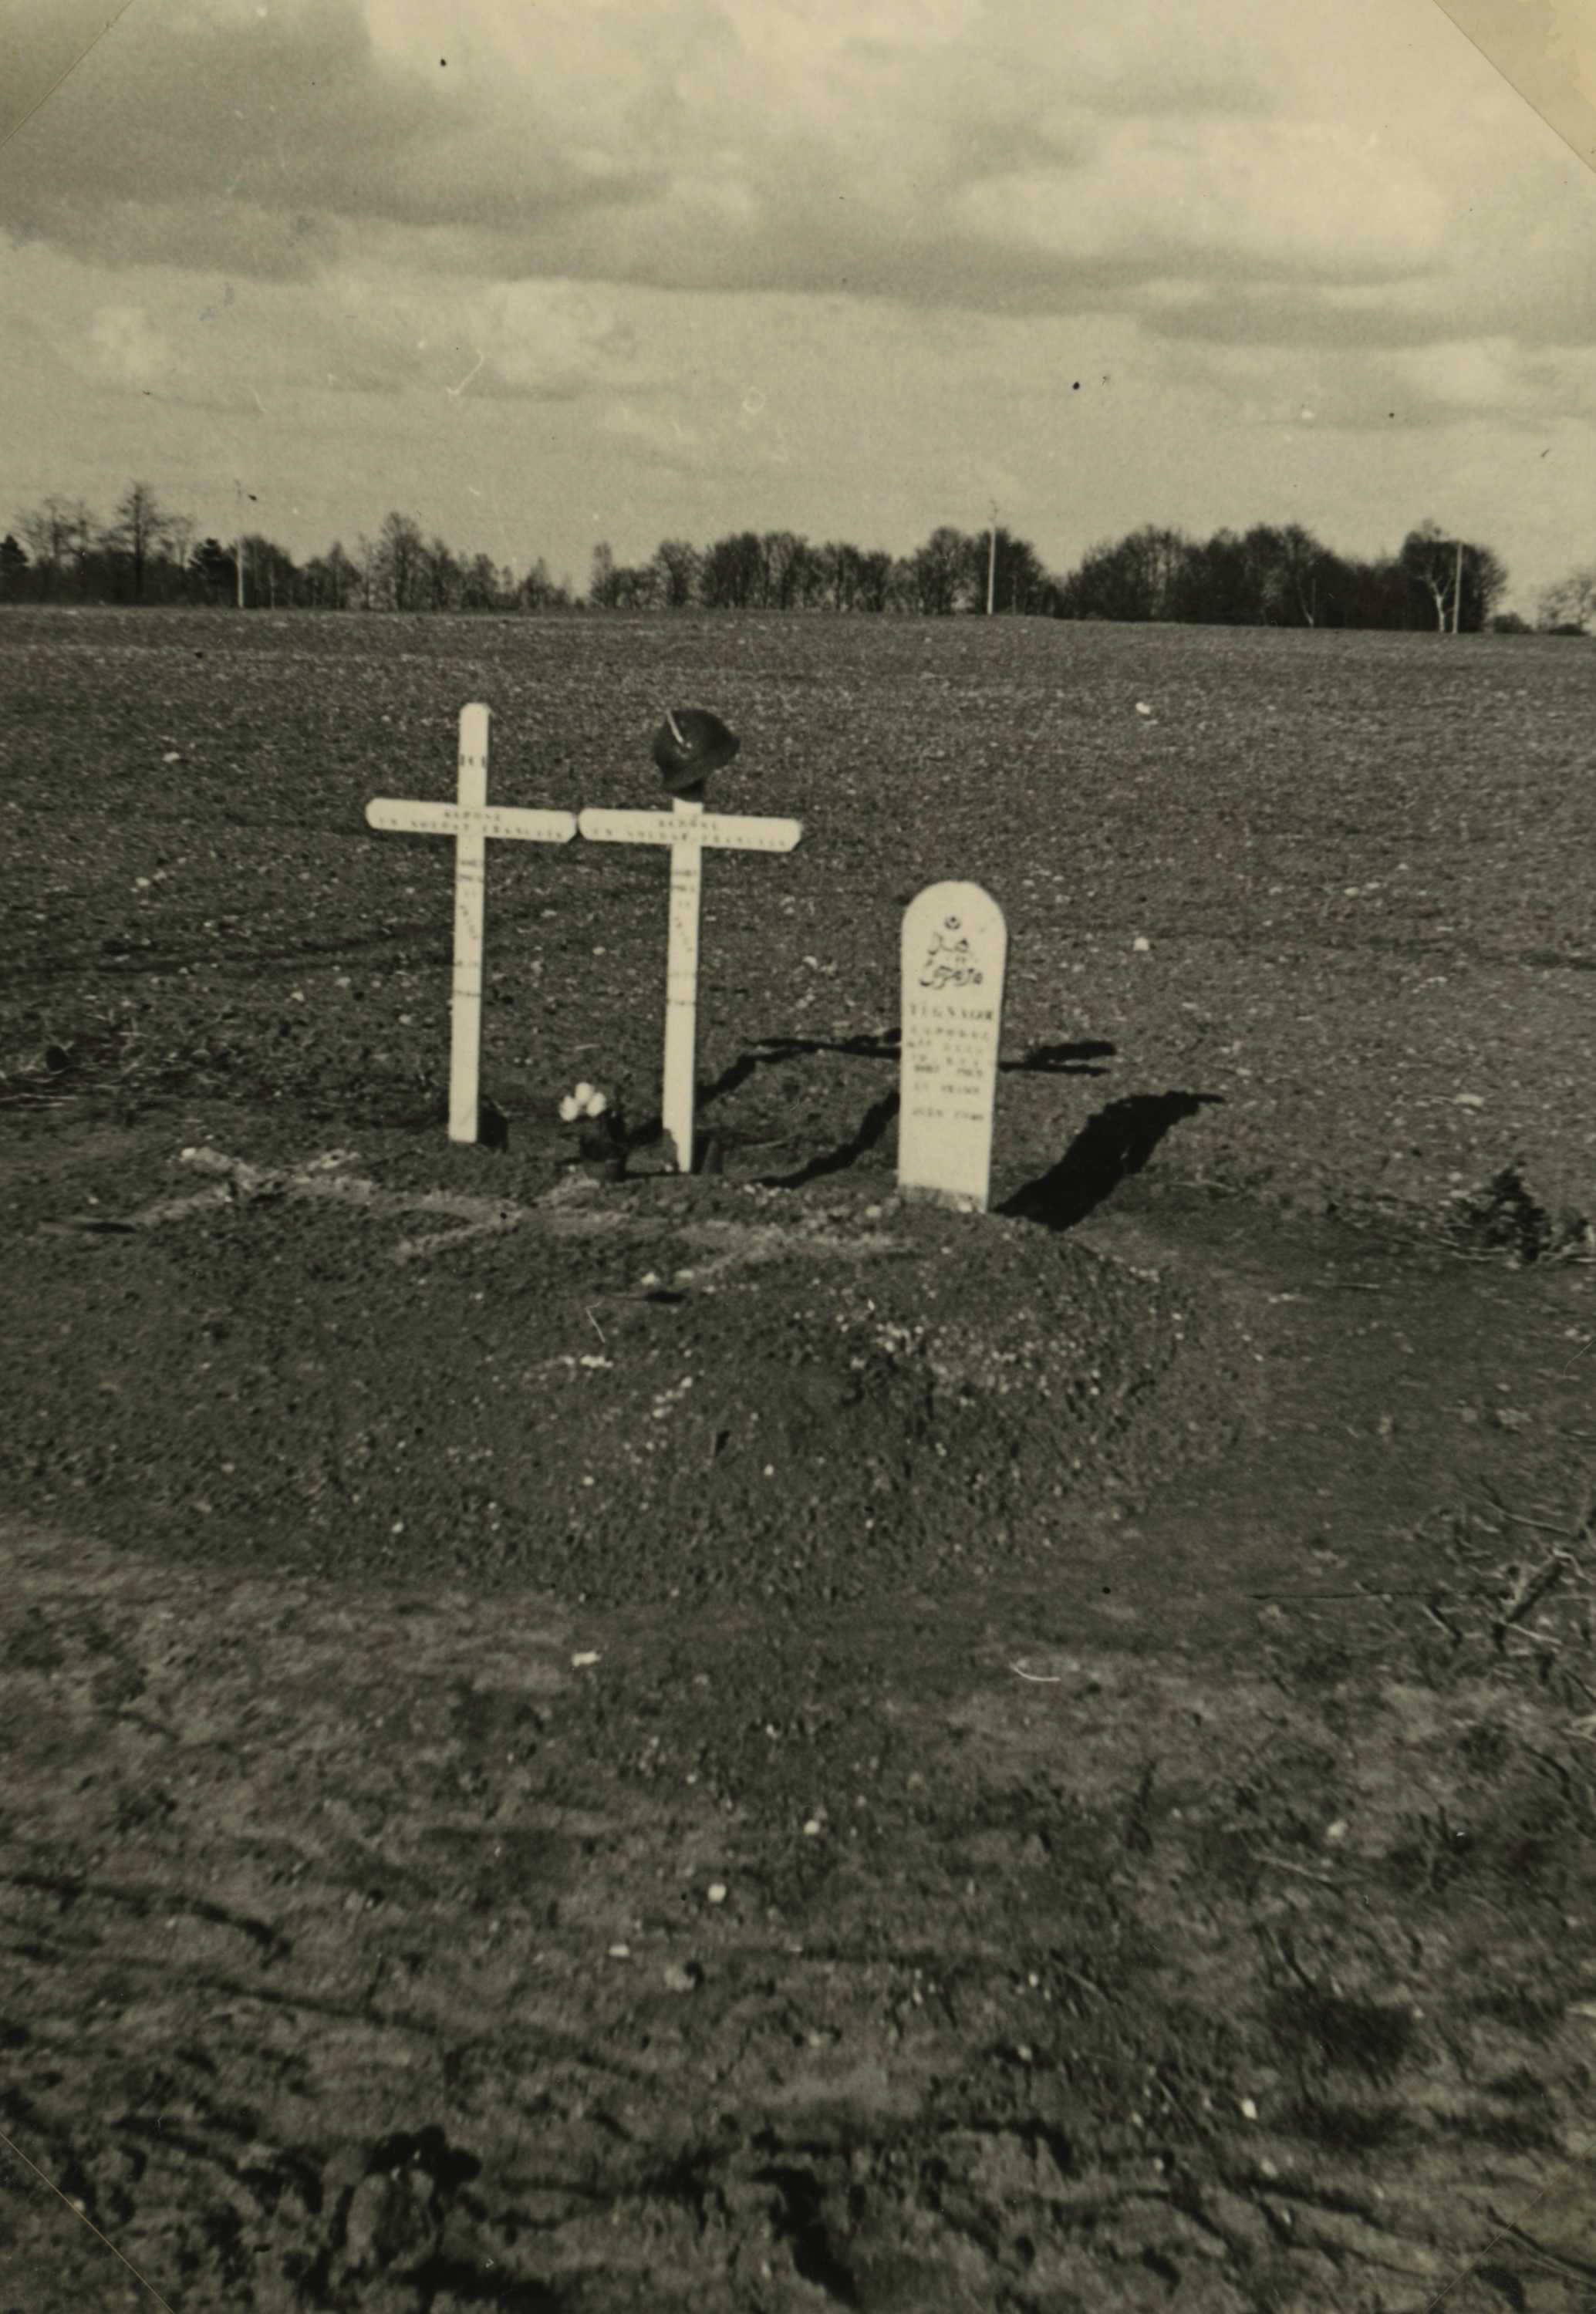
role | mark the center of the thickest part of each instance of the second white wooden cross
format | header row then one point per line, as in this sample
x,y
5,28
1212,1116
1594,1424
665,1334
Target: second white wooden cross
x,y
471,823
687,828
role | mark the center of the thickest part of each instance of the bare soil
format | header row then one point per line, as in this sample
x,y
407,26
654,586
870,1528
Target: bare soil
x,y
582,1742
854,1755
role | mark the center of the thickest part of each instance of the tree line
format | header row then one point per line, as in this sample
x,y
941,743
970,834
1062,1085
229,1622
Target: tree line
x,y
1268,575
58,550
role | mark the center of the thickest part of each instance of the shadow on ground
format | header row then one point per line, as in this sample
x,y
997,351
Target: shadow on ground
x,y
1077,1059
1110,1147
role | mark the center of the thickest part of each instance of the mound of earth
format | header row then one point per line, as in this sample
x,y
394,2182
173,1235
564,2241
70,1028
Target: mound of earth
x,y
621,1391
1182,1910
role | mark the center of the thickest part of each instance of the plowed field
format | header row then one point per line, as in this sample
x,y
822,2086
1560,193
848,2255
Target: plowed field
x,y
575,1739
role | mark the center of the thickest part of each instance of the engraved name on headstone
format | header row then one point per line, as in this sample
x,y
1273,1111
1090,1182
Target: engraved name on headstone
x,y
955,946
471,823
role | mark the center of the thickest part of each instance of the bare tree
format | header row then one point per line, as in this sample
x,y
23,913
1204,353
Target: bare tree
x,y
1137,577
790,569
602,590
58,532
876,568
732,576
539,592
178,542
623,585
1431,560
1571,603
677,565
342,576
366,572
441,576
846,579
1485,582
839,573
479,585
636,587
1013,568
939,571
1462,581
213,571
1302,561
274,578
137,530
399,565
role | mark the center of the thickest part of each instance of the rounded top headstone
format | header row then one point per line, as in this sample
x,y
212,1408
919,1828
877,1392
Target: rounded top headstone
x,y
690,743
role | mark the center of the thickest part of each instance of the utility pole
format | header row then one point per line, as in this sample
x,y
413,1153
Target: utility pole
x,y
240,494
991,561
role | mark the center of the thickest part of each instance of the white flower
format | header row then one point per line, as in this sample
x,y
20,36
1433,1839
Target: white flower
x,y
586,1101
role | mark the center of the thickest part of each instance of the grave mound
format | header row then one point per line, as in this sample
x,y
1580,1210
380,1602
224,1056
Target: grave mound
x,y
627,1391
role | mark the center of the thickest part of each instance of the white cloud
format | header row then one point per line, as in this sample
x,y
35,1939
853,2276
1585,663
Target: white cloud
x,y
123,348
982,153
361,327
1266,197
659,437
547,338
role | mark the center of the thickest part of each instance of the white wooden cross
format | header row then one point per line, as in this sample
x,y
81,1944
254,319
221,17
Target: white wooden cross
x,y
471,823
687,828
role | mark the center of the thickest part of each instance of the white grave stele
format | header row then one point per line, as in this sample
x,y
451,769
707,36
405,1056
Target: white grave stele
x,y
955,946
687,828
469,820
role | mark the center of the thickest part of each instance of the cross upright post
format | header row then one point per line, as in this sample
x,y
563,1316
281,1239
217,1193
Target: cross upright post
x,y
681,982
469,821
686,828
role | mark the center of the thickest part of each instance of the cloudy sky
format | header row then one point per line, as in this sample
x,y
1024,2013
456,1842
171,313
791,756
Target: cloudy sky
x,y
546,274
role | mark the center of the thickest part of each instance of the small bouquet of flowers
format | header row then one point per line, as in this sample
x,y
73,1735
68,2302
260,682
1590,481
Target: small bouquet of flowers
x,y
602,1145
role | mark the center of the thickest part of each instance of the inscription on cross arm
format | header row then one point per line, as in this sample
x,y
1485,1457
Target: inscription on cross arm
x,y
712,831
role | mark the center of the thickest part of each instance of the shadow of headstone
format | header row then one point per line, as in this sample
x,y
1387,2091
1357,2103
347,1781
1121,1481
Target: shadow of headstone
x,y
1111,1146
1081,1058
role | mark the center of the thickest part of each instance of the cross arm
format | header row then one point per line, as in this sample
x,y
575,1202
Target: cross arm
x,y
716,831
421,818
